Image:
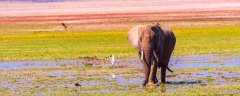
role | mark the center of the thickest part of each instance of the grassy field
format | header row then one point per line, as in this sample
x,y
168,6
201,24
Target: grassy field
x,y
66,44
26,42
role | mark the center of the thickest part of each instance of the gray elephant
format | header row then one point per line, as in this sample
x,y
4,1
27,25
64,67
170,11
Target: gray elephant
x,y
155,45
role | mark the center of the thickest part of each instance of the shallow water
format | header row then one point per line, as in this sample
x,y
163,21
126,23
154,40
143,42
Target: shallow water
x,y
39,64
100,75
175,62
204,61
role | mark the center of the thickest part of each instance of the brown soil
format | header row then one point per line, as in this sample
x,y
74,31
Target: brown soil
x,y
189,15
123,14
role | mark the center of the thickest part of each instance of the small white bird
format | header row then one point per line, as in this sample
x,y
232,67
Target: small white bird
x,y
112,63
113,76
112,59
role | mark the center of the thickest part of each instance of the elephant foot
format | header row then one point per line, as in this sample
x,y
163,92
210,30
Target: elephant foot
x,y
163,82
152,84
155,80
144,83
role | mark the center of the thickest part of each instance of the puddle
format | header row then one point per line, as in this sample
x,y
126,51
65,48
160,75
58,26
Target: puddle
x,y
204,61
40,64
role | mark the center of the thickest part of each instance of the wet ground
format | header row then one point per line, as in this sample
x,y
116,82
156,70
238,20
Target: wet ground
x,y
175,62
86,75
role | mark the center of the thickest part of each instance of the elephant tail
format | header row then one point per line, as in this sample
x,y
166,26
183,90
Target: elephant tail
x,y
169,69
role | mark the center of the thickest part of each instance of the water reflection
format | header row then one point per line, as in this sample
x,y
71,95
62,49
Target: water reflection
x,y
162,88
150,89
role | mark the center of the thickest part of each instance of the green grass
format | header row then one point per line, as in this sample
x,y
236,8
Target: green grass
x,y
196,90
207,40
101,43
63,45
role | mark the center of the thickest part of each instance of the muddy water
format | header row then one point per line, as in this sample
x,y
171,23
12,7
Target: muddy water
x,y
99,75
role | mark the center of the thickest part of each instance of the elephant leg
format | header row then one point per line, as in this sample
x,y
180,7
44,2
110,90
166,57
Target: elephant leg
x,y
152,77
152,80
165,60
153,72
156,64
146,70
164,64
163,74
155,80
146,64
164,69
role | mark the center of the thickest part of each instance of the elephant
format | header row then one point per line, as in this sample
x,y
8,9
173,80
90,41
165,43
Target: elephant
x,y
155,45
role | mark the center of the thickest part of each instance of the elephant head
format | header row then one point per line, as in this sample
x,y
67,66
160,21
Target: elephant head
x,y
149,41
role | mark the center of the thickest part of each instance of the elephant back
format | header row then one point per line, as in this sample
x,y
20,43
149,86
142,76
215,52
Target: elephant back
x,y
133,35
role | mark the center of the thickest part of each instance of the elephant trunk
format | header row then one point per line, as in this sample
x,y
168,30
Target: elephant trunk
x,y
146,58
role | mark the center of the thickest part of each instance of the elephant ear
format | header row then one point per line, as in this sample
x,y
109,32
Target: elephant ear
x,y
133,36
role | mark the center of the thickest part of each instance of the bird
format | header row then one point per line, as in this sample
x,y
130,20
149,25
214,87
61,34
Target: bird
x,y
64,25
112,59
113,76
77,84
112,63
